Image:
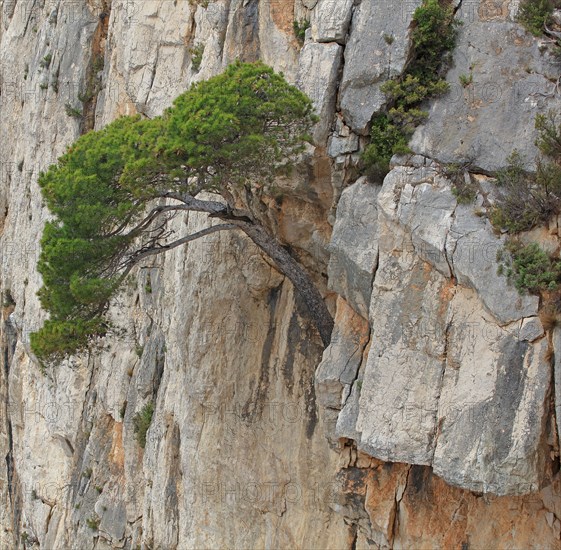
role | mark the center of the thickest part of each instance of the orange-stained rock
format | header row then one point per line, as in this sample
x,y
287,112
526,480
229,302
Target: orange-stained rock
x,y
410,507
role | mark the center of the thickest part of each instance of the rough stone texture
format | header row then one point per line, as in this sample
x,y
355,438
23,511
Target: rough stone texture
x,y
557,379
339,145
319,65
354,245
452,238
330,20
399,396
245,450
512,82
472,248
338,369
531,329
370,59
229,366
446,382
400,506
493,405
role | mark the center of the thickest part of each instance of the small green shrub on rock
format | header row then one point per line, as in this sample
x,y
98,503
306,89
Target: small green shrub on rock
x,y
46,61
386,139
530,268
466,80
463,186
517,207
197,52
534,15
526,199
300,28
93,522
141,422
433,37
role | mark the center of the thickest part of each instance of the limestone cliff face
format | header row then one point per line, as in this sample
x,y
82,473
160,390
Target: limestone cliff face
x,y
430,419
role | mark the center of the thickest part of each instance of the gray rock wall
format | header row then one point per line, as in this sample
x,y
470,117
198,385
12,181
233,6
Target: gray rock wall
x,y
438,385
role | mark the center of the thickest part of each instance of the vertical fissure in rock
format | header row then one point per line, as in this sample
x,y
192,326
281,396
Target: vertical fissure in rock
x,y
93,81
437,420
9,341
256,403
399,494
354,536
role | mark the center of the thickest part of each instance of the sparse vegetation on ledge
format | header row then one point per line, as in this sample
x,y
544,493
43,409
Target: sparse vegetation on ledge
x,y
530,268
534,15
463,186
300,28
432,39
526,199
93,522
197,52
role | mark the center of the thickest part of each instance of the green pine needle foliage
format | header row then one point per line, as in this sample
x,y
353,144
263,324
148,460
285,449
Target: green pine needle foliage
x,y
239,128
300,28
533,15
530,268
386,139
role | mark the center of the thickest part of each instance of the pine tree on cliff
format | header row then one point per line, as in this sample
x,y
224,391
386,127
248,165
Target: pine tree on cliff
x,y
114,192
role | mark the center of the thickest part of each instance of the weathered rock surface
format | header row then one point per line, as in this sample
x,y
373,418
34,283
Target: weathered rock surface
x,y
513,80
376,51
217,469
319,65
354,245
447,382
330,20
339,367
493,405
434,359
398,506
557,380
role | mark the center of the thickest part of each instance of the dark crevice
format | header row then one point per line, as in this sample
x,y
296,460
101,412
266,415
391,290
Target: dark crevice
x,y
458,7
93,82
397,504
354,536
438,422
253,408
288,365
31,8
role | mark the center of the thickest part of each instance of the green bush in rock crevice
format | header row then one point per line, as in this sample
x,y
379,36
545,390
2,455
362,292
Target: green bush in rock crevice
x,y
433,37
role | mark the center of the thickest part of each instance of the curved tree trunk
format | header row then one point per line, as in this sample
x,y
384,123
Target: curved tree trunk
x,y
289,267
282,259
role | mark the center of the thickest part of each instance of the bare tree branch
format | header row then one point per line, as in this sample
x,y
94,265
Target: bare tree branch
x,y
159,249
197,205
158,210
283,260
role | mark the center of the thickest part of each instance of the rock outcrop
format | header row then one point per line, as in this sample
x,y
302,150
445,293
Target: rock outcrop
x,y
431,420
451,362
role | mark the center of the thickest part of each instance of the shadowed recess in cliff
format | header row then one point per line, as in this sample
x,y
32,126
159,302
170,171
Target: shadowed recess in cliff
x,y
255,405
244,29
